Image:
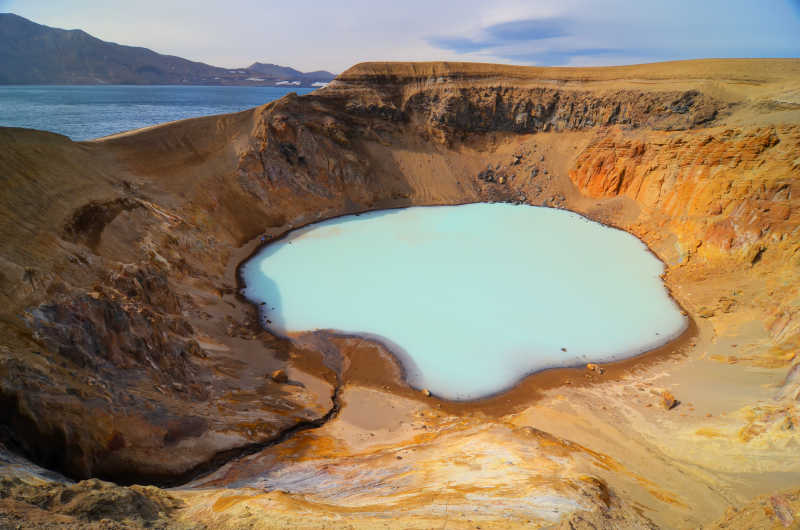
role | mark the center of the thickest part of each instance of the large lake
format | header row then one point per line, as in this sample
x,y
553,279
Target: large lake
x,y
87,112
471,298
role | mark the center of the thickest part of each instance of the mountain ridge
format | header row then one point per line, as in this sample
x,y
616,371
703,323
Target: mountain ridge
x,y
31,53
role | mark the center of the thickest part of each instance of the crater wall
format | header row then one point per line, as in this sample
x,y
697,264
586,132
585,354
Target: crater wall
x,y
127,353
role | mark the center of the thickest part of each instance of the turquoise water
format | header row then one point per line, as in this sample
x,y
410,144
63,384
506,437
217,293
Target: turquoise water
x,y
472,298
87,112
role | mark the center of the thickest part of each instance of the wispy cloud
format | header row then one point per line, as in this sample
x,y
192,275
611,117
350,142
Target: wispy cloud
x,y
533,41
526,30
568,56
504,34
626,31
336,35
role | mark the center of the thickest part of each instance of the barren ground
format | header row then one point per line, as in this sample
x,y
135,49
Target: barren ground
x,y
127,355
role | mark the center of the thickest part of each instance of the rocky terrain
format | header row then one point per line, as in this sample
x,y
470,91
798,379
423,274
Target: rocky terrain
x,y
128,356
33,54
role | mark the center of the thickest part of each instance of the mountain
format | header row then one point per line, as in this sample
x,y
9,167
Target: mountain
x,y
286,74
274,70
31,53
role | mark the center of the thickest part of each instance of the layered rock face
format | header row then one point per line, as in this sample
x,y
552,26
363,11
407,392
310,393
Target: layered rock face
x,y
127,353
726,196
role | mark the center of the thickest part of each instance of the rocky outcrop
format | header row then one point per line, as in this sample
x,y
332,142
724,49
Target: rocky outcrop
x,y
768,511
25,505
728,190
504,109
121,329
453,105
108,297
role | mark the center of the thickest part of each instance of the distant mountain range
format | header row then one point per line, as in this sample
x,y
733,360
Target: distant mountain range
x,y
33,54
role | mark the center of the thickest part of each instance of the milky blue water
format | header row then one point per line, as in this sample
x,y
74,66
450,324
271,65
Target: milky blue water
x,y
472,298
87,112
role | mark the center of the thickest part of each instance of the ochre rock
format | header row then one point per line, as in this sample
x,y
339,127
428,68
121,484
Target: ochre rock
x,y
127,353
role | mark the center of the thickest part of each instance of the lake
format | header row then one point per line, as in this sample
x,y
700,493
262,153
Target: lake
x,y
471,298
87,112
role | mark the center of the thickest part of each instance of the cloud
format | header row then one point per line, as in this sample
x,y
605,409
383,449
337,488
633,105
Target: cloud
x,y
526,30
531,41
336,35
626,31
459,44
565,57
503,34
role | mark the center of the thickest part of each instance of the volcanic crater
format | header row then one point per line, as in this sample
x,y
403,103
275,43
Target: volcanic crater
x,y
129,354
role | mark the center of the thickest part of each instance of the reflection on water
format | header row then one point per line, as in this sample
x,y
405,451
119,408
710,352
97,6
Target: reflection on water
x,y
476,296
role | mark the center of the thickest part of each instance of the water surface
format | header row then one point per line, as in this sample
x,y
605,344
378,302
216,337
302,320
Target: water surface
x,y
87,112
475,297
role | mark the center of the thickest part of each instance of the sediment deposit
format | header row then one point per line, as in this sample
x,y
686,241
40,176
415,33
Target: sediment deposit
x,y
127,354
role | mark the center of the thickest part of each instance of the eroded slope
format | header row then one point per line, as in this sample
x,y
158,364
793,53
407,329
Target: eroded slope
x,y
127,353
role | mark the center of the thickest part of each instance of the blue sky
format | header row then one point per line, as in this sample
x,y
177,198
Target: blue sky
x,y
328,35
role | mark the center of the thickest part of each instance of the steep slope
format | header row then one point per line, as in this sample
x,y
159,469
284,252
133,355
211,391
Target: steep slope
x,y
128,355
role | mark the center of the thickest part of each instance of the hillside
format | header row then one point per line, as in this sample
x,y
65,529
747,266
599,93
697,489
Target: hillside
x,y
127,354
31,53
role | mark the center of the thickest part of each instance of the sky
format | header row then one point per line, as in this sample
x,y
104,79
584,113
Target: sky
x,y
317,35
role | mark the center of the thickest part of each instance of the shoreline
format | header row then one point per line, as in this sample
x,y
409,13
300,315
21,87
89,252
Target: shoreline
x,y
524,390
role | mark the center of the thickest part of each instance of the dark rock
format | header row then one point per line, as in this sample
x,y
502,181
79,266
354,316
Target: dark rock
x,y
279,376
